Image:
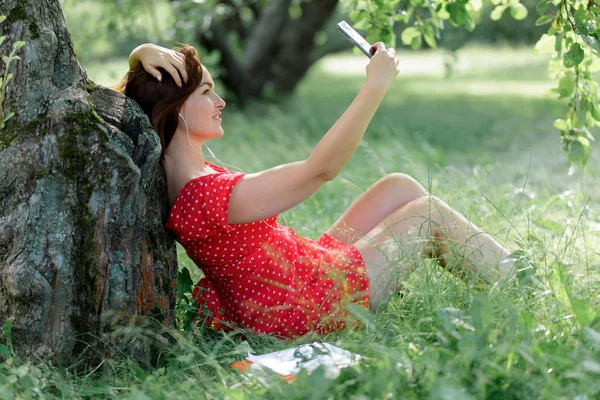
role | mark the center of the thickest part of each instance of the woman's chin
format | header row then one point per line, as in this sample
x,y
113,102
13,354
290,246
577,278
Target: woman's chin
x,y
215,134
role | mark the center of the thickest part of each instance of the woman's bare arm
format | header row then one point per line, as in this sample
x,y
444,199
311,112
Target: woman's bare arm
x,y
270,192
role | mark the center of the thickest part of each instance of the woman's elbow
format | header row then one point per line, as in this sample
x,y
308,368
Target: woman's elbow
x,y
329,174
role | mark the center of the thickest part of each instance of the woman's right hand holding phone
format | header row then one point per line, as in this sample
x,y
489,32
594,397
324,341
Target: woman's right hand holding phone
x,y
383,67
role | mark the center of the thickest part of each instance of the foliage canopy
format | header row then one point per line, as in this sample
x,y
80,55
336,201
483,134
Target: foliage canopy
x,y
572,41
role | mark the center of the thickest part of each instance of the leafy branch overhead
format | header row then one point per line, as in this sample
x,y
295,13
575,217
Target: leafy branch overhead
x,y
572,41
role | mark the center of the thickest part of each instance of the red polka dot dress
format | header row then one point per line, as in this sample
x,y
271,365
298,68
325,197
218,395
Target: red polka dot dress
x,y
263,276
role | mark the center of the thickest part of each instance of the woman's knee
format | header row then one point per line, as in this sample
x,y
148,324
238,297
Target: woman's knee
x,y
404,183
429,207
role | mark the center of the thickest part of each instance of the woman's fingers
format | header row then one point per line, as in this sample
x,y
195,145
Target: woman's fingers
x,y
377,47
152,71
154,57
174,64
174,73
181,67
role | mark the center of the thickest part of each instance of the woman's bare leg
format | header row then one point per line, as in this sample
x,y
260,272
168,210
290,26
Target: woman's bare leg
x,y
380,200
427,226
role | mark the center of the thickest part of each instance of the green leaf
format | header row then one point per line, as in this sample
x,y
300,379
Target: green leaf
x,y
429,36
4,352
19,44
184,282
8,78
558,43
527,320
576,152
595,110
581,18
592,337
2,39
2,18
559,283
566,83
9,116
542,6
544,19
470,346
574,56
416,42
446,316
363,24
409,34
585,145
386,35
7,332
401,16
458,14
518,12
482,312
475,6
496,14
364,316
585,133
545,45
443,12
561,125
584,311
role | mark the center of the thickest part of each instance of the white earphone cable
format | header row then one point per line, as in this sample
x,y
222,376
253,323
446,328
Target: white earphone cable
x,y
192,146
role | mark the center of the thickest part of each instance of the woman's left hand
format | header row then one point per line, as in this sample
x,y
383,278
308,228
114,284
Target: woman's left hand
x,y
153,57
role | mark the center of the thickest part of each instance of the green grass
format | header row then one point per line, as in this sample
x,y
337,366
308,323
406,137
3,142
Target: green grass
x,y
483,141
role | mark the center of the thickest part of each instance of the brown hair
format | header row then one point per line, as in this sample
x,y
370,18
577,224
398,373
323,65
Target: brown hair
x,y
161,100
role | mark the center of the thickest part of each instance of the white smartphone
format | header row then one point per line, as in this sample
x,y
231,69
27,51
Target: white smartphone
x,y
355,37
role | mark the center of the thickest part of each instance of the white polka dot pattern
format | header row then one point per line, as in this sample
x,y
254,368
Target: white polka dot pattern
x,y
261,275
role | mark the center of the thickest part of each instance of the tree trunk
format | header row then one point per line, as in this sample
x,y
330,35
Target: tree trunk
x,y
82,199
278,50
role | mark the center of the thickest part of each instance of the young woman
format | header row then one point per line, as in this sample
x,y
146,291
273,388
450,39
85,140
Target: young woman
x,y
260,275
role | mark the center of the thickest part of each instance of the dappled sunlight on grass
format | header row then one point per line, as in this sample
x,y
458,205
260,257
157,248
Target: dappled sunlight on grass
x,y
476,87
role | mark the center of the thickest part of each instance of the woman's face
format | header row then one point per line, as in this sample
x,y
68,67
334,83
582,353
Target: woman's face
x,y
202,110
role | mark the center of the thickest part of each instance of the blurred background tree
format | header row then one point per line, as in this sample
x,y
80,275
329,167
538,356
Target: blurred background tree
x,y
103,30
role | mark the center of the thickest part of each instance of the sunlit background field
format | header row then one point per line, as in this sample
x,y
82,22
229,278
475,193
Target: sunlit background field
x,y
482,140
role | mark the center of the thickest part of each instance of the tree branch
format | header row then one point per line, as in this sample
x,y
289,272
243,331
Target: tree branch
x,y
270,23
324,50
230,73
233,22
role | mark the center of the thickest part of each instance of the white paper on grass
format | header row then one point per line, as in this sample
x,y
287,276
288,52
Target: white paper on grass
x,y
309,357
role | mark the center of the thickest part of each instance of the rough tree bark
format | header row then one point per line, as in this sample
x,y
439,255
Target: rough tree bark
x,y
82,198
278,50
